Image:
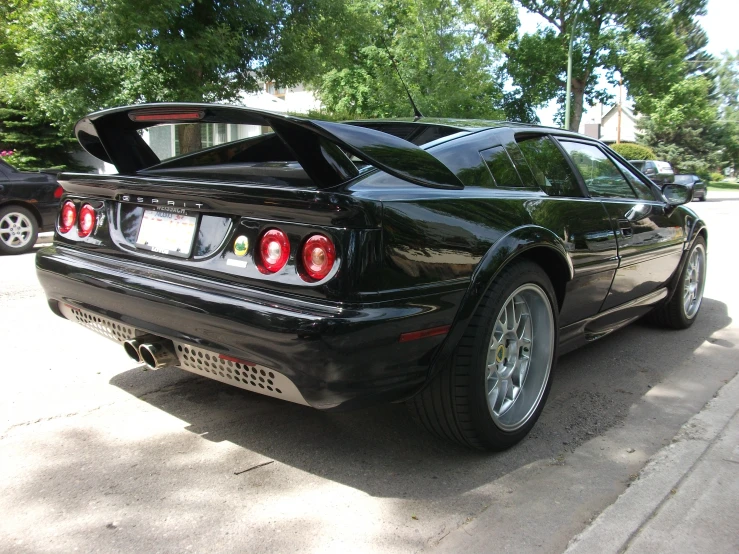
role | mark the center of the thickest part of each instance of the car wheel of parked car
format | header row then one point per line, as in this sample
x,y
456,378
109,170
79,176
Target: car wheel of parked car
x,y
682,308
703,197
495,387
18,230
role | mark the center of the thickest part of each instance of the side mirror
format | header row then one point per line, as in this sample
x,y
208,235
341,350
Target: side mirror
x,y
676,194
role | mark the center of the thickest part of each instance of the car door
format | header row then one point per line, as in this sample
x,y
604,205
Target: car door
x,y
581,223
650,238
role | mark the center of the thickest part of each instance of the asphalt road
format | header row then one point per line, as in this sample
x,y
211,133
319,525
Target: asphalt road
x,y
97,454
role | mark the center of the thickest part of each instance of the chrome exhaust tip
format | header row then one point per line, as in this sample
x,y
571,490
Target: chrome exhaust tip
x,y
131,346
158,353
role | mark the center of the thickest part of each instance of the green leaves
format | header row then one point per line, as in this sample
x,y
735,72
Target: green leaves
x,y
443,58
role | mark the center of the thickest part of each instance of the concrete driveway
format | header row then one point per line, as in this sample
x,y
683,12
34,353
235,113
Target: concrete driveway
x,y
97,454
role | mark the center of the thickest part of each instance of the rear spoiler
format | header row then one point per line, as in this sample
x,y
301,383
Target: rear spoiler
x,y
319,146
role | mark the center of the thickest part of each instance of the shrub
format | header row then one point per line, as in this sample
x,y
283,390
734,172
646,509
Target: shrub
x,y
632,151
716,177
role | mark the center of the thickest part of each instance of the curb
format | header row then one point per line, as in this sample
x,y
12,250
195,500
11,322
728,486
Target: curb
x,y
615,528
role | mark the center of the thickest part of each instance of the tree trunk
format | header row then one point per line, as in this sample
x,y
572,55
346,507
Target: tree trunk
x,y
578,94
189,138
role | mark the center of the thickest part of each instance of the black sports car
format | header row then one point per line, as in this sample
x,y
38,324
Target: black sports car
x,y
700,190
446,263
29,203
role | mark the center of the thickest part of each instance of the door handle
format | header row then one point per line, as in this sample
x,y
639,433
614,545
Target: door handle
x,y
624,225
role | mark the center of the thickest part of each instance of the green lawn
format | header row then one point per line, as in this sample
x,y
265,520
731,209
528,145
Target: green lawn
x,y
723,185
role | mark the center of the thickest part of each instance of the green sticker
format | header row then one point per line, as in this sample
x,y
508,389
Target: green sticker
x,y
241,246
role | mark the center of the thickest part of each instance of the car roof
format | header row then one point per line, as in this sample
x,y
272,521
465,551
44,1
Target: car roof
x,y
457,123
433,131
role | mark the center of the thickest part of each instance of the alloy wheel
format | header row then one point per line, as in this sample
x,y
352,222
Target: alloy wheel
x,y
519,357
16,230
695,278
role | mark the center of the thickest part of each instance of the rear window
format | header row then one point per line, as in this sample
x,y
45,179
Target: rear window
x,y
684,179
169,141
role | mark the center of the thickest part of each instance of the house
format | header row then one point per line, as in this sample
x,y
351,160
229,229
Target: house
x,y
601,122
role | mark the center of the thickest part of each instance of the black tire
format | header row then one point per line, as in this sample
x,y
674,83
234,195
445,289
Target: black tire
x,y
454,405
18,230
672,314
703,197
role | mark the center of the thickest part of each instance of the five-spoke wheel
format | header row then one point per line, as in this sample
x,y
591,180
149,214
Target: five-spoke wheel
x,y
18,230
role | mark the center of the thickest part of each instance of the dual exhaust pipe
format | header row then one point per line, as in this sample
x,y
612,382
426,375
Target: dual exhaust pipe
x,y
151,350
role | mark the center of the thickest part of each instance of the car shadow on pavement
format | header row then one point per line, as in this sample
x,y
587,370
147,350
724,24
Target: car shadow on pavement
x,y
382,452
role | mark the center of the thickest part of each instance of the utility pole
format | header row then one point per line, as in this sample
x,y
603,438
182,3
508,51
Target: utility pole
x,y
620,92
569,69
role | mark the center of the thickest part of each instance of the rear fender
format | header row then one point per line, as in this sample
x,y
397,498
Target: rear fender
x,y
506,250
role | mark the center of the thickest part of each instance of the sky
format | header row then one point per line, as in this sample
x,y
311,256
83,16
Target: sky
x,y
721,24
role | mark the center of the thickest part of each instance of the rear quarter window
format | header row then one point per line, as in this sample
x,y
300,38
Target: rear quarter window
x,y
549,166
501,166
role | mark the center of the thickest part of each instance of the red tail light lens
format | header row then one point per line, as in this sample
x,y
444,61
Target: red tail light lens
x,y
274,248
319,256
67,217
87,220
58,191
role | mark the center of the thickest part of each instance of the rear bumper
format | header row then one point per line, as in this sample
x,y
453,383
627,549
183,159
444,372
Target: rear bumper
x,y
338,356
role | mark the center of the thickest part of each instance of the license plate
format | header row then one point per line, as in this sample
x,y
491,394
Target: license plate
x,y
167,233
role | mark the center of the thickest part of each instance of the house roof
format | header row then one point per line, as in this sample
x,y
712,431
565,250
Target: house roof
x,y
263,101
625,111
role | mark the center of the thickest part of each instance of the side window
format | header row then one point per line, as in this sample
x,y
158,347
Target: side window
x,y
642,190
500,165
601,176
549,166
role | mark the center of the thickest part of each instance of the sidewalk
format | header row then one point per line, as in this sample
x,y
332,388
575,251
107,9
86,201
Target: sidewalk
x,y
686,500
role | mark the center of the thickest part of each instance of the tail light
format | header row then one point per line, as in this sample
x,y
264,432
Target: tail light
x,y
67,217
58,191
274,249
319,255
87,220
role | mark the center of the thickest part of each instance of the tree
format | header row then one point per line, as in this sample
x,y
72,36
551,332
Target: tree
x,y
727,100
35,142
682,127
446,64
77,56
610,35
652,65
